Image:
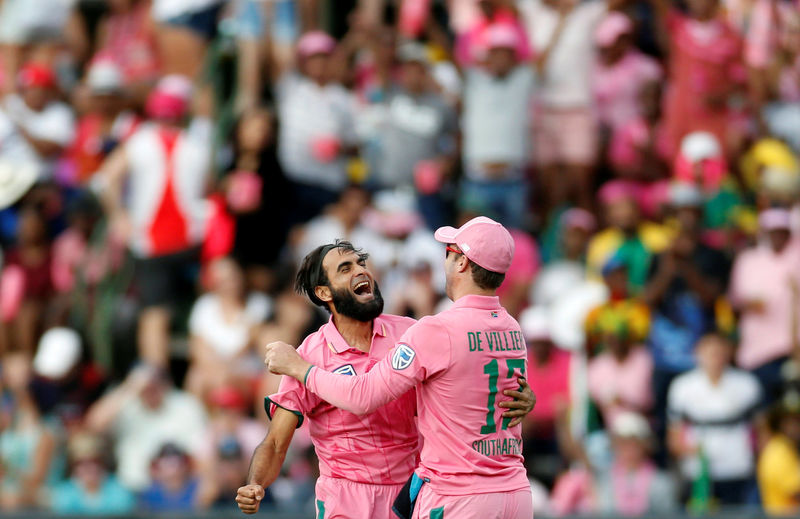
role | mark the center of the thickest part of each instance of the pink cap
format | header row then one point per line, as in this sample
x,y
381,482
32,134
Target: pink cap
x,y
775,219
613,26
315,42
170,98
616,190
578,218
483,241
501,35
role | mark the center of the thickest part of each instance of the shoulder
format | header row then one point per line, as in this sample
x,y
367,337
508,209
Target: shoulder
x,y
743,381
258,306
311,348
684,383
398,322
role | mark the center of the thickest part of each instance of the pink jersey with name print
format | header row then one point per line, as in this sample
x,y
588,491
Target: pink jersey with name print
x,y
460,361
380,448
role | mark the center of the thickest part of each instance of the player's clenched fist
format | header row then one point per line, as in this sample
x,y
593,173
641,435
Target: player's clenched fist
x,y
282,358
249,497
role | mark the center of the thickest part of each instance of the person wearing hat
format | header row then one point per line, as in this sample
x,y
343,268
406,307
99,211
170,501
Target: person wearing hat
x,y
175,486
761,288
471,462
779,461
495,127
621,72
106,124
633,486
317,130
34,126
91,488
418,137
357,480
164,214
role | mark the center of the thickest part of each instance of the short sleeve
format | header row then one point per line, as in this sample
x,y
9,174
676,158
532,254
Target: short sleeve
x,y
294,397
199,315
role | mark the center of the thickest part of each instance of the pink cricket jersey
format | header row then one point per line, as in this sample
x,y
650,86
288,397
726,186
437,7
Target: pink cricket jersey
x,y
460,361
380,448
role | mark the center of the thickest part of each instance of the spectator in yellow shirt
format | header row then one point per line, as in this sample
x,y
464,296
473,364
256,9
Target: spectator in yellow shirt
x,y
779,464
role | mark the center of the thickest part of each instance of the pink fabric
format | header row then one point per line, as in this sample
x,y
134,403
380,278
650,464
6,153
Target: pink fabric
x,y
244,191
460,361
315,42
632,489
565,135
614,25
427,177
131,44
69,251
573,493
413,16
379,448
707,174
471,45
550,383
630,138
12,292
621,386
483,241
513,505
760,274
525,264
704,61
789,82
617,87
325,149
343,498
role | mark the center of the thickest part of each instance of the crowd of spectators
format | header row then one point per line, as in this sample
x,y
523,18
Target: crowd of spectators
x,y
166,164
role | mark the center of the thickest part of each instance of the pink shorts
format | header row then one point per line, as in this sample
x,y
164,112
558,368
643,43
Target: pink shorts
x,y
565,136
498,505
342,499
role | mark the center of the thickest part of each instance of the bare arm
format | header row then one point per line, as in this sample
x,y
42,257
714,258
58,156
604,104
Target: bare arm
x,y
267,460
103,413
43,147
113,172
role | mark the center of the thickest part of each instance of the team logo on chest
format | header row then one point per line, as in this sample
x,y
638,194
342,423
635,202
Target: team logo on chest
x,y
403,356
347,369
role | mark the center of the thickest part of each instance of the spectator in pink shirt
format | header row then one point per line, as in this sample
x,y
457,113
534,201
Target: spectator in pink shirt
x,y
621,72
705,68
761,289
620,378
550,373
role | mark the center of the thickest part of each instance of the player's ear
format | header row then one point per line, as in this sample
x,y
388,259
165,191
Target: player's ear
x,y
323,293
463,263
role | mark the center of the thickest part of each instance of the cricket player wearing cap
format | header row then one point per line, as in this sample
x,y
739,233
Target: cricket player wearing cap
x,y
364,460
471,463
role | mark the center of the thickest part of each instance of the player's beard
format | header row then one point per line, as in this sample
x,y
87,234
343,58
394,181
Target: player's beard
x,y
346,304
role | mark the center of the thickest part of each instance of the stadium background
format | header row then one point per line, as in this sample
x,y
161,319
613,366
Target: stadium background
x,y
644,154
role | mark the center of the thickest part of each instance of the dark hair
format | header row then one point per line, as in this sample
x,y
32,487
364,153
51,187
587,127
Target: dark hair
x,y
486,279
311,274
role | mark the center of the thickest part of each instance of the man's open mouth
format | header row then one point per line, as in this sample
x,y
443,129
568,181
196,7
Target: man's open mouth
x,y
362,288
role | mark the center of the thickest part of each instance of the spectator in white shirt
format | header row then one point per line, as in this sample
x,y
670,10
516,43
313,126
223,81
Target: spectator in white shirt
x,y
495,125
316,130
710,409
142,414
222,327
34,127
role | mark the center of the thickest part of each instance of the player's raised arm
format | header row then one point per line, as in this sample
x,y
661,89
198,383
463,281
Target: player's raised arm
x,y
267,460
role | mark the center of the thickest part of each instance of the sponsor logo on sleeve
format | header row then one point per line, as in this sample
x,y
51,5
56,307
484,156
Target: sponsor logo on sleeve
x,y
402,357
347,369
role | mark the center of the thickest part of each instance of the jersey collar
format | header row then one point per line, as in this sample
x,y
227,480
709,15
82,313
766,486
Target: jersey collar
x,y
336,342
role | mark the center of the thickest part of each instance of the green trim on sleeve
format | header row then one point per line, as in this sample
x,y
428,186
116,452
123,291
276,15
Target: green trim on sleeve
x,y
268,401
320,509
305,378
437,513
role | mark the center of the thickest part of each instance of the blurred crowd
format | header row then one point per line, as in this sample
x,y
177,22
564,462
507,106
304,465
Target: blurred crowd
x,y
166,164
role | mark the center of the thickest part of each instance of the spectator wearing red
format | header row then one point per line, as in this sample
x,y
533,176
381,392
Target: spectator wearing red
x,y
105,126
165,215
